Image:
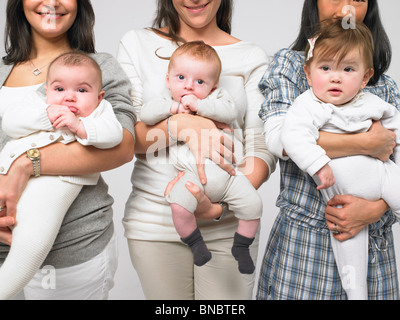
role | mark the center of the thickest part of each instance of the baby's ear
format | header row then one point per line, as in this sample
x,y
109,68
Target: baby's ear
x,y
367,76
101,95
306,71
215,87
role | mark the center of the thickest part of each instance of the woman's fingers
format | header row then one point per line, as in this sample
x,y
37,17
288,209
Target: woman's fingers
x,y
226,149
5,236
205,210
6,221
171,184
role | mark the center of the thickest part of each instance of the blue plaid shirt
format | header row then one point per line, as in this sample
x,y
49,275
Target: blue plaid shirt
x,y
299,238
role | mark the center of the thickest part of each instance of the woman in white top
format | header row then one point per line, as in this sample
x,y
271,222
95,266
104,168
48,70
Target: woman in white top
x,y
163,263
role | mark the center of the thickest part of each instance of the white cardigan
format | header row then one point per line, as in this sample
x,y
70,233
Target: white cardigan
x,y
147,213
27,123
308,115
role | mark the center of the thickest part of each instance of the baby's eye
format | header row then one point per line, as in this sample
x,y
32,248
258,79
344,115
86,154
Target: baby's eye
x,y
81,90
59,89
181,77
325,68
200,81
348,69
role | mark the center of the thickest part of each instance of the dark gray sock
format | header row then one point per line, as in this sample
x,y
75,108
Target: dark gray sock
x,y
201,254
241,252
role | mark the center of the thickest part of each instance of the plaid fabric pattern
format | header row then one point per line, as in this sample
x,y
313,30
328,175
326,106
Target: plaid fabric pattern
x,y
299,262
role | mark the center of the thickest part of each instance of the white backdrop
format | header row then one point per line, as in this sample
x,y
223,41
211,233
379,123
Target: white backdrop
x,y
269,23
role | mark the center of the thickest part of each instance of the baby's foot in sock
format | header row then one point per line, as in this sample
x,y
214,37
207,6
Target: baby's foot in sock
x,y
201,254
241,252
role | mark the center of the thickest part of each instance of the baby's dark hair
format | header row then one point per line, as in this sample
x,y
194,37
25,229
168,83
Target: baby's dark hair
x,y
77,58
335,41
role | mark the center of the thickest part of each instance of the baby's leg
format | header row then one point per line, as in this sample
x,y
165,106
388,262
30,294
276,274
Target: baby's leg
x,y
360,176
244,200
185,225
183,205
184,221
248,228
40,212
242,240
352,262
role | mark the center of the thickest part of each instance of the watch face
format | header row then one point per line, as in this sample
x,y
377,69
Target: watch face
x,y
33,153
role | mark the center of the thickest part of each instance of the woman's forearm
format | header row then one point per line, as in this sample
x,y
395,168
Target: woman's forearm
x,y
146,136
256,170
339,145
377,142
75,159
181,127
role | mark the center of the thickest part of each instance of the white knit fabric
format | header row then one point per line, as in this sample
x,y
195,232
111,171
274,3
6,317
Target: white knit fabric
x,y
40,212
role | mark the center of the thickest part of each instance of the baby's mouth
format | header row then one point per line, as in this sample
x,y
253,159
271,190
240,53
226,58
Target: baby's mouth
x,y
74,110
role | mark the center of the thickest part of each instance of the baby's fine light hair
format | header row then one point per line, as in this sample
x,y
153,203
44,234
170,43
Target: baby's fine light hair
x,y
199,51
335,41
77,58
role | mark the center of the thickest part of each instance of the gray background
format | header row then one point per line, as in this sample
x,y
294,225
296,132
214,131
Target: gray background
x,y
269,23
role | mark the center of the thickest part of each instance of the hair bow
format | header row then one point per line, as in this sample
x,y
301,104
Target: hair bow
x,y
312,45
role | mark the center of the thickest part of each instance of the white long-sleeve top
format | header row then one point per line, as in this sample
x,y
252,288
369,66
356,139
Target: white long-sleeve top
x,y
217,106
147,213
308,115
29,127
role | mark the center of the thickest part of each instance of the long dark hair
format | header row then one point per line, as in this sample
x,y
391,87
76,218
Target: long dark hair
x,y
383,49
17,33
167,16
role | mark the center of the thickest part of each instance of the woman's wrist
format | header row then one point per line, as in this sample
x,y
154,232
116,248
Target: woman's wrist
x,y
178,124
24,165
379,207
224,212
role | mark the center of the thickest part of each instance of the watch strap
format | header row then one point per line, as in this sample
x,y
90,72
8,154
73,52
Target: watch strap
x,y
225,210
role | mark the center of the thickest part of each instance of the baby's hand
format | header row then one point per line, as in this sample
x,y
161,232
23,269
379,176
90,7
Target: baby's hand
x,y
54,111
62,116
325,174
190,102
181,107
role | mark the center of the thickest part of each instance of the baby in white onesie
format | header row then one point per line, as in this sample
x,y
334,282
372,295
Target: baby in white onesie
x,y
74,110
192,79
339,64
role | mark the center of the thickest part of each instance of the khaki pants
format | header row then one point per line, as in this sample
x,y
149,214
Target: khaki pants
x,y
167,272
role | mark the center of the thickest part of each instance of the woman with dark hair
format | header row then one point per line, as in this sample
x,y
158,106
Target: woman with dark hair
x,y
298,261
164,264
85,248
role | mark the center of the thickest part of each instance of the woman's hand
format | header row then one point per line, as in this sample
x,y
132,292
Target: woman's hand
x,y
381,141
5,232
206,210
205,140
353,215
11,187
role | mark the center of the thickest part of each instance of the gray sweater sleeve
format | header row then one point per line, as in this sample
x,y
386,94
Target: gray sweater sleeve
x,y
117,89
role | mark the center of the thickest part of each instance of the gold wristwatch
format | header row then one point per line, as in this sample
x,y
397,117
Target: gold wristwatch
x,y
34,155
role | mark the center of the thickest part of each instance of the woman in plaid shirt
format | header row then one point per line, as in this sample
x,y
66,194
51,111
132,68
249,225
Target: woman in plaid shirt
x,y
299,262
